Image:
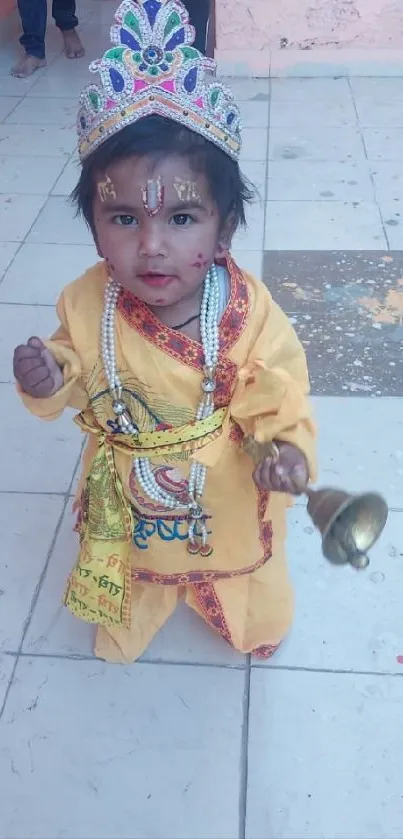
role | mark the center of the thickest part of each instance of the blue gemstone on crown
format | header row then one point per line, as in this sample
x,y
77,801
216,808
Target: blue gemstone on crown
x,y
117,80
129,39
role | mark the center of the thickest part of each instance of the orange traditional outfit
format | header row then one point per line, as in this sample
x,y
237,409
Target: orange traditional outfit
x,y
134,564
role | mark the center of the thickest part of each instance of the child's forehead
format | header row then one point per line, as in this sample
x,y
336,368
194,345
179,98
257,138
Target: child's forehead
x,y
137,170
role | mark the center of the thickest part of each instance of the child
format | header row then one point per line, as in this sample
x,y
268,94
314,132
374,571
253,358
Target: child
x,y
174,357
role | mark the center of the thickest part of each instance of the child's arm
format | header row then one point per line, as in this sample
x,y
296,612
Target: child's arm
x,y
49,374
271,402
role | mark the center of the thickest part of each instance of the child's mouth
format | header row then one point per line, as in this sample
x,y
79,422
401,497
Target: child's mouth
x,y
156,280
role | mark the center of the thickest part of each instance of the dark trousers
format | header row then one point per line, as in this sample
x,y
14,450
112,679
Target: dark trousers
x,y
199,11
33,15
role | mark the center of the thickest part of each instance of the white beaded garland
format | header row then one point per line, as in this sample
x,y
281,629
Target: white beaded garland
x,y
209,329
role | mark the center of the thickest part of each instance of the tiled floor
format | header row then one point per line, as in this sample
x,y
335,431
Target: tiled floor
x,y
196,741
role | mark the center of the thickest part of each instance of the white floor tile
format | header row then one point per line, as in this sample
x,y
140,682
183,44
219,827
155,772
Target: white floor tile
x,y
323,225
329,113
40,272
65,80
10,86
254,144
28,524
308,91
68,179
360,628
7,105
316,143
356,450
249,89
17,324
43,141
17,214
6,670
36,456
57,224
254,114
251,238
56,111
142,751
255,172
53,630
379,102
248,260
388,179
383,143
392,214
312,180
7,251
23,178
324,756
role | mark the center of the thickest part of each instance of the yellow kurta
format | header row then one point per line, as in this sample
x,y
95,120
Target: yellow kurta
x,y
134,565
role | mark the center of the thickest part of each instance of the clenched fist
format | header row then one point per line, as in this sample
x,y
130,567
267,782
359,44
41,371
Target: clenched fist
x,y
286,473
36,371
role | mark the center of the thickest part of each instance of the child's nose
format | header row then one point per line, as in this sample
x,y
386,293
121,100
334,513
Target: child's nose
x,y
151,240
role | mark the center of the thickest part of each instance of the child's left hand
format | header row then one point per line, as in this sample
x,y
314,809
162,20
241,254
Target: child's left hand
x,y
288,473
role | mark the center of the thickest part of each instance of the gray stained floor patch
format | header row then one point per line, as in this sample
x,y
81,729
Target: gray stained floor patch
x,y
347,308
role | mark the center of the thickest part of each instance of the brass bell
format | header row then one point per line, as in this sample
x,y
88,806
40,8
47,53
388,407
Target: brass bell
x,y
350,524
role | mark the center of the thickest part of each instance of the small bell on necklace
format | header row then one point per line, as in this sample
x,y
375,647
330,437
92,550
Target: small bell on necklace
x,y
125,421
192,547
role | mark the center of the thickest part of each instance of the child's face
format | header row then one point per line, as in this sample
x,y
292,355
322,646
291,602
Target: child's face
x,y
157,227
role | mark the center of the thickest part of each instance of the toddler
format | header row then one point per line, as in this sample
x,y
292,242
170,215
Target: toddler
x,y
179,363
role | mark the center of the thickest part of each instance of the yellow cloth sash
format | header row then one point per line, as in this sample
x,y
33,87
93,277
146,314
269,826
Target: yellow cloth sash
x,y
99,587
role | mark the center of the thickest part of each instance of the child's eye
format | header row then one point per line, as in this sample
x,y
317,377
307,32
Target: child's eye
x,y
182,219
125,220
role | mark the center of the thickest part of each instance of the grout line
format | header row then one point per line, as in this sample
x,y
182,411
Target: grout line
x,y
38,587
266,178
328,671
243,775
375,199
248,669
148,662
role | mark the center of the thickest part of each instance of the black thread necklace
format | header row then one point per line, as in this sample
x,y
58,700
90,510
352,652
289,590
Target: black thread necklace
x,y
186,322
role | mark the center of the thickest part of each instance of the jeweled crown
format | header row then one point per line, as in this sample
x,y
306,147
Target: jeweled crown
x,y
152,68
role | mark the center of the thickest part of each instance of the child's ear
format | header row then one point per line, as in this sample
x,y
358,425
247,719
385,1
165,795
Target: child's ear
x,y
224,242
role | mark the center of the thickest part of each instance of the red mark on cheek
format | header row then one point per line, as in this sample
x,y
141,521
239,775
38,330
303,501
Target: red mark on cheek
x,y
399,659
200,262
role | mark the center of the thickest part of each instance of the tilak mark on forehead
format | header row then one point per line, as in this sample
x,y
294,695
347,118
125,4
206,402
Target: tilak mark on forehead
x,y
152,195
186,191
106,189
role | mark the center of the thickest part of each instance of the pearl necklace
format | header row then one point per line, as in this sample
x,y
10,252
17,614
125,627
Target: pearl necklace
x,y
209,323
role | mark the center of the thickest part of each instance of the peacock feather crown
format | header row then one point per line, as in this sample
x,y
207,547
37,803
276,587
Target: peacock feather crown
x,y
153,68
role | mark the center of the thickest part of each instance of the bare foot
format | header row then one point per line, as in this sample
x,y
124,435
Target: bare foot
x,y
26,66
72,44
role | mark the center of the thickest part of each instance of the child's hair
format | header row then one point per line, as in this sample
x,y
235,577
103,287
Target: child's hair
x,y
158,137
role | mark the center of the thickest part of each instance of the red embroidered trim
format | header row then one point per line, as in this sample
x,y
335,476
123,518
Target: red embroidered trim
x,y
212,610
236,434
265,651
184,349
265,527
142,575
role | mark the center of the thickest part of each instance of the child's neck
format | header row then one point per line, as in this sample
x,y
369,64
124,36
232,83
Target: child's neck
x,y
183,315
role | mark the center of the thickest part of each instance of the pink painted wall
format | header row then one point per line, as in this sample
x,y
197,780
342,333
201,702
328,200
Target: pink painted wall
x,y
251,34
306,24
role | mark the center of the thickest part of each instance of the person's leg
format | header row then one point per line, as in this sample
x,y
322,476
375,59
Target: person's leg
x,y
33,20
151,607
253,613
199,11
64,13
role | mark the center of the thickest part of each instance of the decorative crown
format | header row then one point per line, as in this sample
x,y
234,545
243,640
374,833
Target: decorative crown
x,y
152,68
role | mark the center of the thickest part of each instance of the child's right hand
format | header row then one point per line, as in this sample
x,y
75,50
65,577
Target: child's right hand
x,y
36,371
